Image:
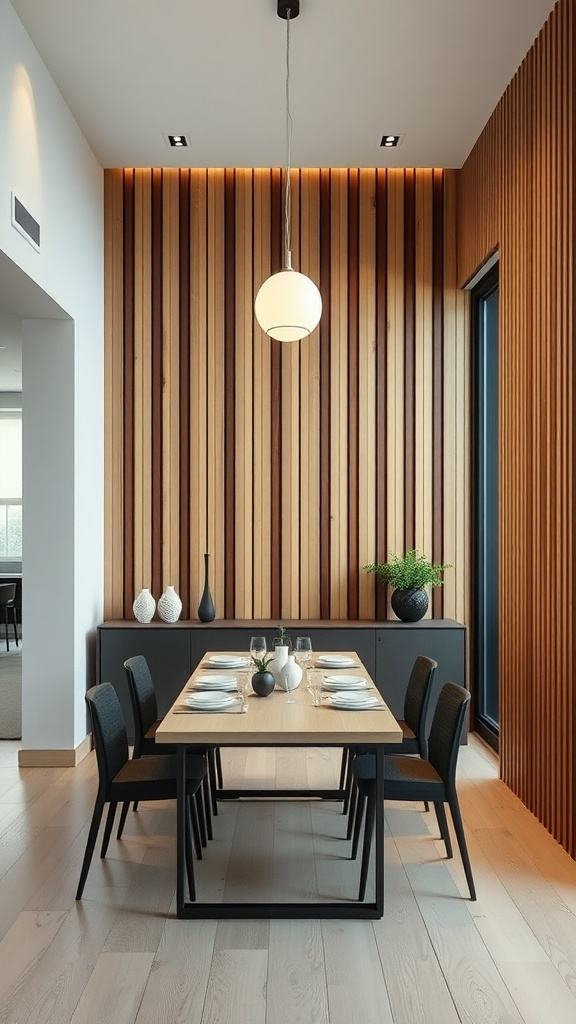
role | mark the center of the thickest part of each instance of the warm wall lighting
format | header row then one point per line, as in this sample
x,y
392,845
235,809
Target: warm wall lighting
x,y
288,305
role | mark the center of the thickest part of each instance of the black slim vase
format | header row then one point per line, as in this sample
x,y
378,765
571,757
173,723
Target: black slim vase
x,y
206,611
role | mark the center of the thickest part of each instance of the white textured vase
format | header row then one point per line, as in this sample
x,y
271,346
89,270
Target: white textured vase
x,y
144,606
169,606
276,666
291,674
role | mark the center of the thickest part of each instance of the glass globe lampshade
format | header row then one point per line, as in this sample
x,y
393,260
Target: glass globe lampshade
x,y
288,306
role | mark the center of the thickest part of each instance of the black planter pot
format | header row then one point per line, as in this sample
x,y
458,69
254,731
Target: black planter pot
x,y
409,604
262,683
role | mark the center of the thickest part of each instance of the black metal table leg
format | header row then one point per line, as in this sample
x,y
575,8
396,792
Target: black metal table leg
x,y
181,903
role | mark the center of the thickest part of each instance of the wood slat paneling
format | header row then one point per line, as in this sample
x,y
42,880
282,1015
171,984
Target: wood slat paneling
x,y
292,465
517,195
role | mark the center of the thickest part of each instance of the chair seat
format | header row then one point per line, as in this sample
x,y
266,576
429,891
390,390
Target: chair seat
x,y
158,773
400,771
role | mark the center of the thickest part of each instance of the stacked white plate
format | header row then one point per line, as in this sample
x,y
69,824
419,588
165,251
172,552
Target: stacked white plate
x,y
352,701
210,701
228,661
215,682
344,682
335,661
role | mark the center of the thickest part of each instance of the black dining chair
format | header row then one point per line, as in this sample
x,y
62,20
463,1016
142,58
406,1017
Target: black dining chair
x,y
414,732
8,608
145,712
414,778
123,779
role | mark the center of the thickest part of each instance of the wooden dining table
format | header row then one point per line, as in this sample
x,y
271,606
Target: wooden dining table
x,y
271,721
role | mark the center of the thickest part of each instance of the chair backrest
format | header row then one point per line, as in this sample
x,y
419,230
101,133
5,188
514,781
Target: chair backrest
x,y
446,731
7,593
142,695
108,731
417,699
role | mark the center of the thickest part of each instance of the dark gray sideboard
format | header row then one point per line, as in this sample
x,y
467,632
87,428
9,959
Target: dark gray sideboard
x,y
387,649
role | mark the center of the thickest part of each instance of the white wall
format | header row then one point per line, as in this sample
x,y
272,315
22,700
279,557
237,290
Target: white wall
x,y
46,161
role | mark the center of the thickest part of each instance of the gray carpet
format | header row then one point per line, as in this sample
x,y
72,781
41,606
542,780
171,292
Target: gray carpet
x,y
10,692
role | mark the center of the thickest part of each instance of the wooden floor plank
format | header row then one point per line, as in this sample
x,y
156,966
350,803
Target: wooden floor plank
x,y
236,989
357,991
114,990
297,988
176,988
22,948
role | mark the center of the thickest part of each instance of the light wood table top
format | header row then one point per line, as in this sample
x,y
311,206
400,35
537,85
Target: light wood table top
x,y
271,720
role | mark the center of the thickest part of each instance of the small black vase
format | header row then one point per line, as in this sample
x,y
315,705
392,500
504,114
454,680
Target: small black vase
x,y
206,611
262,683
409,604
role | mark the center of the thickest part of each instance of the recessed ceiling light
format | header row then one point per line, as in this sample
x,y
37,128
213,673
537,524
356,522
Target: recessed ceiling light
x,y
177,140
390,140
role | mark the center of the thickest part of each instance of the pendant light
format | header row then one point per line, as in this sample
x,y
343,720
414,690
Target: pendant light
x,y
288,305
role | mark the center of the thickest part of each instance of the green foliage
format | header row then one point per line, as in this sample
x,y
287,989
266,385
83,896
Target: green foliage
x,y
262,663
409,571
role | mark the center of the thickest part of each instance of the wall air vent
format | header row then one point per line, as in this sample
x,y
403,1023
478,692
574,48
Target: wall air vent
x,y
24,222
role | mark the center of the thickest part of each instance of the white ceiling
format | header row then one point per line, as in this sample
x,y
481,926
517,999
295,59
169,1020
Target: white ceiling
x,y
430,70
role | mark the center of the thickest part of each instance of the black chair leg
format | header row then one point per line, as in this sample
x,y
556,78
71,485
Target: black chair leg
x,y
459,830
343,764
108,829
6,629
443,826
368,830
123,816
15,626
195,827
219,769
348,783
201,815
426,805
357,824
352,810
91,843
213,783
207,798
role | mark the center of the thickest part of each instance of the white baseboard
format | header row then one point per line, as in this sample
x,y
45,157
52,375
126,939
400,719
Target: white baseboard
x,y
55,758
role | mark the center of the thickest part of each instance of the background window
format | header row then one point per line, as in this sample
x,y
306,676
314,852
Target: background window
x,y
11,484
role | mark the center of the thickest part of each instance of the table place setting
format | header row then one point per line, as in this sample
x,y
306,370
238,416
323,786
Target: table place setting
x,y
212,701
344,682
335,661
214,682
227,661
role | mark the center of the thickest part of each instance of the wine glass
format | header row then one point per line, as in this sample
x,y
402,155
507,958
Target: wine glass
x,y
257,646
257,652
303,652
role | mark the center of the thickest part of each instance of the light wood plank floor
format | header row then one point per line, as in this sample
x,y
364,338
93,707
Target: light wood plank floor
x,y
121,956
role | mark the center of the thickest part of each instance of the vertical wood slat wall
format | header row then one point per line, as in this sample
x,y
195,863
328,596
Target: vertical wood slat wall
x,y
517,194
293,465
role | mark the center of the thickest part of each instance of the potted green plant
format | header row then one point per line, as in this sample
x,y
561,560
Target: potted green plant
x,y
262,680
408,575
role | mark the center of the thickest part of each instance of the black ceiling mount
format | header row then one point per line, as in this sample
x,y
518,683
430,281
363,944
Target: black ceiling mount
x,y
288,5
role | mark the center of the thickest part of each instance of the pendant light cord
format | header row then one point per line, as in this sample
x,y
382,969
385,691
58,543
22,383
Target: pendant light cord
x,y
289,133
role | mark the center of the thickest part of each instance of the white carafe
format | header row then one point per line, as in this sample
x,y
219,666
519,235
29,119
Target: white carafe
x,y
276,666
290,675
